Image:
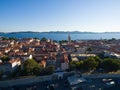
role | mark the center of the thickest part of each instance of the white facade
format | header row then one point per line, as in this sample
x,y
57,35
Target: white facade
x,y
16,63
64,66
109,54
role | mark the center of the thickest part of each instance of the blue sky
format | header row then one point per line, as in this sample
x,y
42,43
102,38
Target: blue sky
x,y
60,15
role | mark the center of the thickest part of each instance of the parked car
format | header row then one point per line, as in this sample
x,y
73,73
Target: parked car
x,y
109,82
106,79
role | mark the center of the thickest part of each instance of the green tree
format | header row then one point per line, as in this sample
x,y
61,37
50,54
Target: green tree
x,y
4,38
36,38
36,70
13,38
99,60
50,69
44,39
55,41
79,65
5,58
111,65
31,67
47,71
63,41
90,64
72,65
76,65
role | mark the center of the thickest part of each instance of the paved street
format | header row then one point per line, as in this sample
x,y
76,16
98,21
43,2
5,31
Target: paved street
x,y
94,84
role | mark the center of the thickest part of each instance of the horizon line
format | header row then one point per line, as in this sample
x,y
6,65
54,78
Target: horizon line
x,y
63,31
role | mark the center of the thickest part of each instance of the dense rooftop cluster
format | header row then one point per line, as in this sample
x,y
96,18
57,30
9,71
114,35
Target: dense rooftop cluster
x,y
46,52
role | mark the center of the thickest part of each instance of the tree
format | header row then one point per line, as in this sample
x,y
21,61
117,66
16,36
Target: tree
x,y
63,41
5,58
72,65
55,41
31,67
36,70
4,38
43,39
79,65
111,65
90,64
36,38
50,69
13,38
47,71
99,60
112,39
76,65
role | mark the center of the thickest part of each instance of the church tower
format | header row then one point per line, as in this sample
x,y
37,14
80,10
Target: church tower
x,y
69,39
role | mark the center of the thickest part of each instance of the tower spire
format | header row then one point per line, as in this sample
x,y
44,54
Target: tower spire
x,y
69,39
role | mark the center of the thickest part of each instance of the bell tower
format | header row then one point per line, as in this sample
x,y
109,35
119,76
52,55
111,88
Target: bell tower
x,y
69,39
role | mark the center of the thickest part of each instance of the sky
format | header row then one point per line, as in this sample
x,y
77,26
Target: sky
x,y
60,15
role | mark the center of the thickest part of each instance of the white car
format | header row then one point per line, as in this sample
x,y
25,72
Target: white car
x,y
106,79
110,83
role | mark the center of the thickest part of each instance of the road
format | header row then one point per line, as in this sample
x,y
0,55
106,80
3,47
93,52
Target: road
x,y
94,84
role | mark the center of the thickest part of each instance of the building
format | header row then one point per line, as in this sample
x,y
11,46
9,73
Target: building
x,y
64,66
10,66
62,61
76,57
74,80
15,63
69,39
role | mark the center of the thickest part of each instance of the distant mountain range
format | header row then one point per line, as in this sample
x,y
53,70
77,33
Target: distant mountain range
x,y
61,35
64,32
